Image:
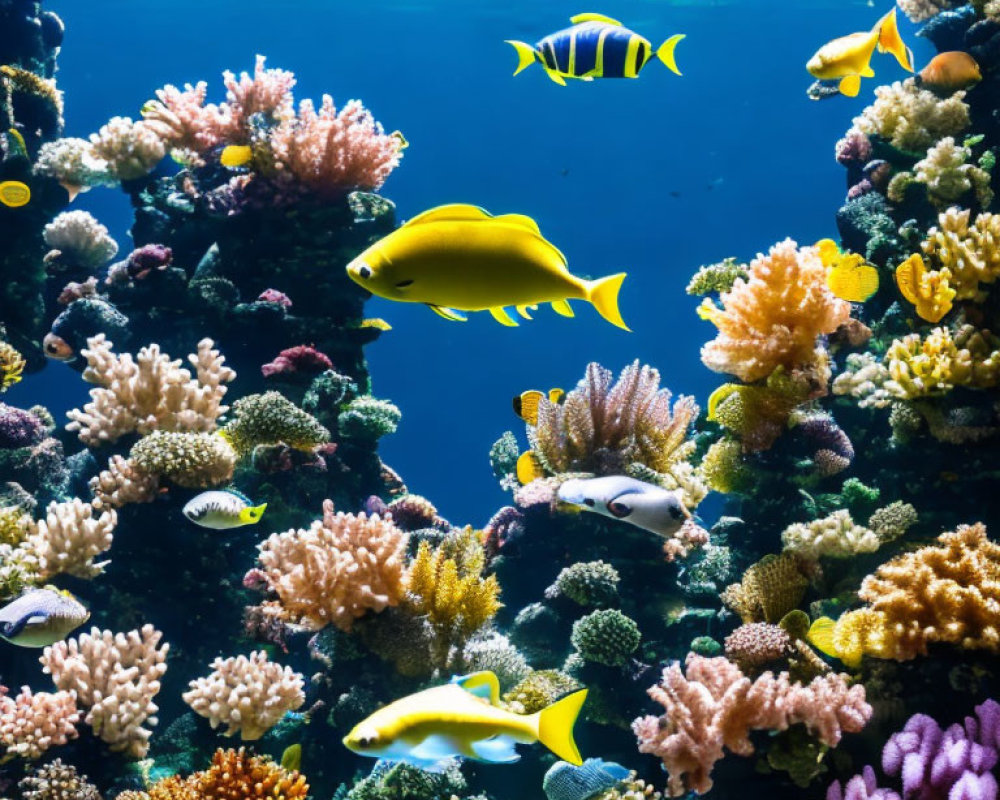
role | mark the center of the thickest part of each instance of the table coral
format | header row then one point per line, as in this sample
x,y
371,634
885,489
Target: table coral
x,y
775,317
715,706
31,723
246,695
913,119
969,248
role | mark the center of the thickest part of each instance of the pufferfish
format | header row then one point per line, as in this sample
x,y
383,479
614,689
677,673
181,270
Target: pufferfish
x,y
222,510
595,46
461,258
652,508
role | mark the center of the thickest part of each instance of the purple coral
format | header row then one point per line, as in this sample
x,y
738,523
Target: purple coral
x,y
276,297
18,428
140,263
834,451
854,148
955,764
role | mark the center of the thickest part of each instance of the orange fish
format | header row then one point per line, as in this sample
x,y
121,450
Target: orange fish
x,y
951,71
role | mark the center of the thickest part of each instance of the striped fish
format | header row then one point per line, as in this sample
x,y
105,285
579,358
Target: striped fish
x,y
595,46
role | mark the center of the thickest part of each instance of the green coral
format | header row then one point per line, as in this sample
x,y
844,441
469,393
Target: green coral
x,y
368,418
327,394
271,418
606,637
858,498
403,782
706,646
540,689
717,278
503,456
192,460
587,583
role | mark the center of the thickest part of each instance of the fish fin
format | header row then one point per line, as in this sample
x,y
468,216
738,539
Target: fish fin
x,y
820,636
523,311
483,685
828,251
501,316
528,468
237,493
603,293
586,78
436,747
447,313
555,76
867,72
526,54
890,41
562,308
591,17
555,726
291,758
850,85
497,750
526,405
253,514
451,211
665,52
520,220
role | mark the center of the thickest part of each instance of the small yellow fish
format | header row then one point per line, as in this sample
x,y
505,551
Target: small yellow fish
x,y
291,758
529,468
526,403
463,718
460,258
236,155
14,194
848,58
377,323
16,141
848,275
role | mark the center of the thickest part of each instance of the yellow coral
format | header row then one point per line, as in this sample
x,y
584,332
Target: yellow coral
x,y
941,361
911,118
14,525
22,80
929,291
11,366
971,252
723,468
770,589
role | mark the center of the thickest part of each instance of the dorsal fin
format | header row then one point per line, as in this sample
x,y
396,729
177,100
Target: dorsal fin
x,y
453,211
519,219
483,685
590,17
238,494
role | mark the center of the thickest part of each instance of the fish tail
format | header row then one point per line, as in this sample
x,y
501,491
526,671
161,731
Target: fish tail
x,y
555,726
603,293
665,52
890,41
252,515
525,53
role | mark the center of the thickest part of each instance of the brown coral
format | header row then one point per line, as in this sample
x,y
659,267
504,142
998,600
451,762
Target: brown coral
x,y
770,589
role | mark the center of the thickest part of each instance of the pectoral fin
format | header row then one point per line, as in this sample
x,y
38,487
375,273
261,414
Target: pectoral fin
x,y
850,86
523,311
501,316
447,313
562,308
497,750
555,76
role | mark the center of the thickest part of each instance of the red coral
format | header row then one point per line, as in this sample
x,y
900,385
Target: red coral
x,y
301,359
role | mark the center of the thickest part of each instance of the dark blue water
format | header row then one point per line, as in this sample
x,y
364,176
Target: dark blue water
x,y
654,176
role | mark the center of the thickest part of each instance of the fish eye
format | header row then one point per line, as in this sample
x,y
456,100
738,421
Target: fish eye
x,y
367,741
619,509
676,512
365,272
404,284
589,502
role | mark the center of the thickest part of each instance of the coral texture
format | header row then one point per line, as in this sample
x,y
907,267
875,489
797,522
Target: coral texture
x,y
68,539
911,118
31,723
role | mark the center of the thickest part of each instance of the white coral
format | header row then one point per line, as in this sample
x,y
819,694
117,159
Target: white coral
x,y
80,236
68,539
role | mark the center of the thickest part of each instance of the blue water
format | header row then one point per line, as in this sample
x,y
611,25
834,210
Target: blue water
x,y
654,176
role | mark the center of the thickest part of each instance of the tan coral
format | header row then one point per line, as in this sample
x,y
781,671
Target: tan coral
x,y
150,392
949,178
968,249
769,589
192,460
911,118
115,677
123,483
58,781
775,316
834,536
68,540
941,360
339,569
246,695
130,149
31,723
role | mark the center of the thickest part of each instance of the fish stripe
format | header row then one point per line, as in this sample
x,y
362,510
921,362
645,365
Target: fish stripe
x,y
631,56
561,49
547,52
616,45
572,54
599,60
587,43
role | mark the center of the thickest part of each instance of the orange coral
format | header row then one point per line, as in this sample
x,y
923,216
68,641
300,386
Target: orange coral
x,y
774,317
233,775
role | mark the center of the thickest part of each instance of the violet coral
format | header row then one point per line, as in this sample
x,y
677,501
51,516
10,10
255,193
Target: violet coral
x,y
774,317
336,571
715,706
115,677
68,539
150,392
246,695
31,723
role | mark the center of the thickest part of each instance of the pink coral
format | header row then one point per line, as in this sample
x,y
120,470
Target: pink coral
x,y
274,296
183,121
268,92
689,537
302,359
716,706
854,148
32,723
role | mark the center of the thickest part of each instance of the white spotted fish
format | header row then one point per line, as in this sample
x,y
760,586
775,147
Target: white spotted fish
x,y
644,505
595,776
223,509
41,617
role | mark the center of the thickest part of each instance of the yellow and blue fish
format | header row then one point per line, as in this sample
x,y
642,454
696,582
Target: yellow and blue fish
x,y
464,719
595,46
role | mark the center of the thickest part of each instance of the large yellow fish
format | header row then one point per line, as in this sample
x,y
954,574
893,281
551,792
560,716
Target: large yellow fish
x,y
463,719
848,58
460,258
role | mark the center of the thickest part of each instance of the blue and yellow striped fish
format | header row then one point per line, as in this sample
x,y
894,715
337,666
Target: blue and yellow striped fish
x,y
594,47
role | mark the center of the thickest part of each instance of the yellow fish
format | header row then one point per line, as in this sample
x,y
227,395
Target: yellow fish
x,y
526,403
847,274
236,155
529,468
460,258
463,718
848,58
14,194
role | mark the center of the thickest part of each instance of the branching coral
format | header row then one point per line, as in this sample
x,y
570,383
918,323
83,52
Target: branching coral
x,y
715,706
57,781
12,365
270,418
32,723
911,118
80,237
130,149
339,569
122,483
941,361
946,175
115,677
150,392
769,589
192,460
247,695
74,164
969,251
774,317
68,539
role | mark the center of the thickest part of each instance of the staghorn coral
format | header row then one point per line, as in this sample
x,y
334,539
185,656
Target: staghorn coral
x,y
270,418
913,119
715,706
339,569
149,393
78,236
769,589
774,317
130,149
834,536
587,583
115,677
68,539
969,251
123,483
247,695
192,460
31,723
934,365
606,636
57,781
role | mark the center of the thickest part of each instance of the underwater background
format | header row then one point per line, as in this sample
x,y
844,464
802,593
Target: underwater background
x,y
267,533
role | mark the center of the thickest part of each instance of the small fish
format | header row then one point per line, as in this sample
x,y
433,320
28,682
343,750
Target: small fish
x,y
595,776
821,636
529,468
460,258
376,323
291,758
847,59
462,719
14,194
642,504
950,71
41,617
822,90
398,136
595,46
848,275
16,142
222,509
236,155
526,403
